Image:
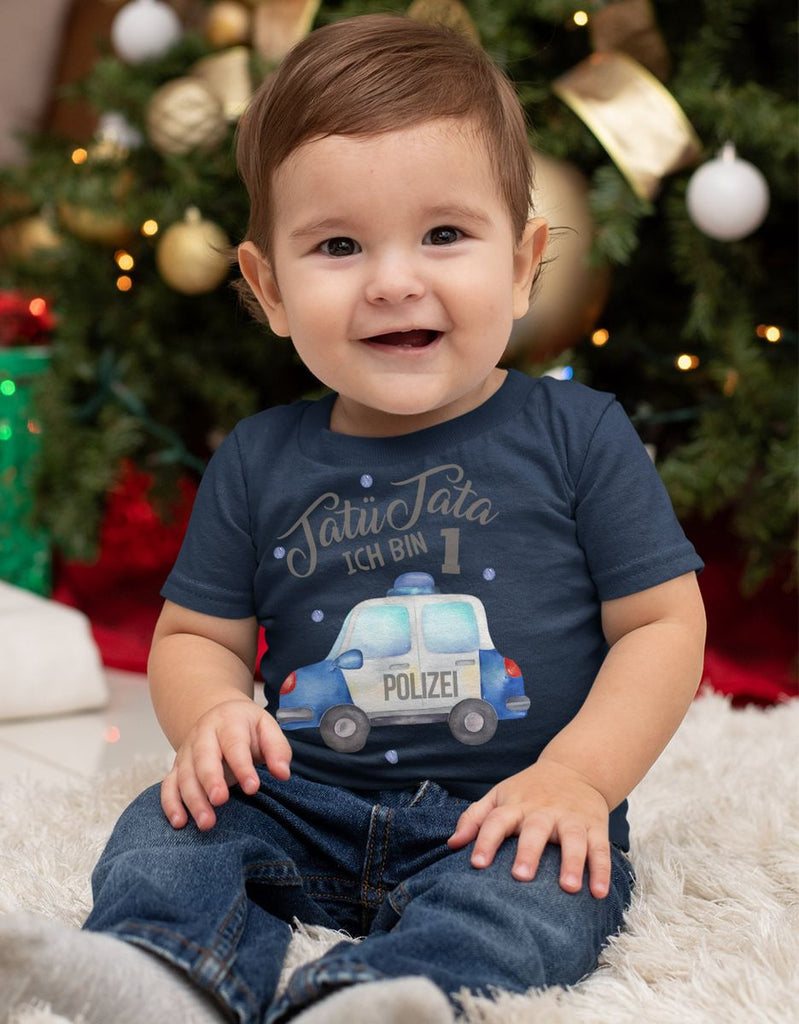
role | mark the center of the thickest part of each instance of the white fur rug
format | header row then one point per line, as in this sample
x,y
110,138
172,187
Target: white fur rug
x,y
713,933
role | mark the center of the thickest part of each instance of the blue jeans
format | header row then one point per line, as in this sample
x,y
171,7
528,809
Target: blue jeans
x,y
218,904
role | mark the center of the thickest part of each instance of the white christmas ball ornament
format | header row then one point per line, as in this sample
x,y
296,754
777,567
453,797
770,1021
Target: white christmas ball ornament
x,y
727,198
145,29
114,127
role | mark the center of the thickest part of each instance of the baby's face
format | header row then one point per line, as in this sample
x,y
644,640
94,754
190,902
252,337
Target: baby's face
x,y
396,273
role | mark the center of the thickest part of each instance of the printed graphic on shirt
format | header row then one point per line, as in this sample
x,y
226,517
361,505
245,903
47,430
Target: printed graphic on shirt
x,y
413,656
424,511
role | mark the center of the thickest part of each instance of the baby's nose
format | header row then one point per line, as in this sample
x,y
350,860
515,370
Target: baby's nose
x,y
395,277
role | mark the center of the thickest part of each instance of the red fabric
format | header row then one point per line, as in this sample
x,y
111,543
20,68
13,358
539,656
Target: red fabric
x,y
751,651
752,641
24,319
120,591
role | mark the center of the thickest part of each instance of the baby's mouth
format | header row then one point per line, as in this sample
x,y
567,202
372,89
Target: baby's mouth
x,y
405,339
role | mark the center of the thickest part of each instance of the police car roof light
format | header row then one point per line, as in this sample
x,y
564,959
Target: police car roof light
x,y
413,583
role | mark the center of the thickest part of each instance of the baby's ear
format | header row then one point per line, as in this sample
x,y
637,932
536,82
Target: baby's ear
x,y
526,262
259,275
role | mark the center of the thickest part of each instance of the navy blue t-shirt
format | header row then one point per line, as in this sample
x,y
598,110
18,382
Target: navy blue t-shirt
x,y
431,602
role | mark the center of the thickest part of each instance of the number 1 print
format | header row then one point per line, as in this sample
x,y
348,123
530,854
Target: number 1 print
x,y
452,539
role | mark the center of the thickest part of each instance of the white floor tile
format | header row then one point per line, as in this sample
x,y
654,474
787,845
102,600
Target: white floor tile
x,y
84,744
81,745
16,762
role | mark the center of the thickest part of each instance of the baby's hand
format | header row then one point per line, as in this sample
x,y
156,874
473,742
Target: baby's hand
x,y
222,748
547,802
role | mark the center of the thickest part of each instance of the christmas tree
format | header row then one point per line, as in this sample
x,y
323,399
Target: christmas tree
x,y
672,283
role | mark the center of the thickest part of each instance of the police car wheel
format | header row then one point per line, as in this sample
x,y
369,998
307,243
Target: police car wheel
x,y
344,728
473,721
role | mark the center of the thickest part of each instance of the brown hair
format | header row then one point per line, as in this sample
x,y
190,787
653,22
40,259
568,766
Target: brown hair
x,y
372,74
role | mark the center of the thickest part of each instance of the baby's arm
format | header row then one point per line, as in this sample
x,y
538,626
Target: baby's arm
x,y
201,681
639,697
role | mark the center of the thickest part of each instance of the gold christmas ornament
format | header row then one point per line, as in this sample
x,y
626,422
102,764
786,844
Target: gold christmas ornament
x,y
184,115
571,293
228,23
279,24
191,255
450,13
25,238
92,226
106,226
630,26
636,119
227,76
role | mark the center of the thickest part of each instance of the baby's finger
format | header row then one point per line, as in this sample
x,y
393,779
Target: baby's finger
x,y
195,798
208,769
599,866
533,837
171,804
238,758
573,850
498,825
470,821
275,748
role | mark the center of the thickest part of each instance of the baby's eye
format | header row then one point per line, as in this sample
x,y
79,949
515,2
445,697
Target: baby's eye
x,y
340,247
444,235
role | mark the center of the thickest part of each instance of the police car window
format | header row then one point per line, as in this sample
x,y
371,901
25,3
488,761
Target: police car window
x,y
338,646
450,627
382,631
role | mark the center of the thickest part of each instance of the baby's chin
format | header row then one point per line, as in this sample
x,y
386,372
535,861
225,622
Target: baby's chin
x,y
402,410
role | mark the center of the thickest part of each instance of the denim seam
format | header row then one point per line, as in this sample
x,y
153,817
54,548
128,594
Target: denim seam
x,y
321,894
420,793
227,935
315,981
253,871
329,878
369,846
378,887
367,867
386,842
399,890
128,932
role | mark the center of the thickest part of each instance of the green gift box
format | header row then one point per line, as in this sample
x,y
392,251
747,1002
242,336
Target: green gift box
x,y
25,558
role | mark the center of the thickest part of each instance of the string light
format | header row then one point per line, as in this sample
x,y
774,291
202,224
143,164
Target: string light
x,y
770,332
580,18
79,155
686,362
124,260
124,283
600,337
7,388
731,383
149,228
37,307
6,433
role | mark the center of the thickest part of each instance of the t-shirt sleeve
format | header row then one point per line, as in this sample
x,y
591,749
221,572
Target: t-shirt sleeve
x,y
625,521
215,567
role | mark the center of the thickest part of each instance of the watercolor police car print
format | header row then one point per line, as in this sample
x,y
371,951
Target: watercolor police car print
x,y
413,656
